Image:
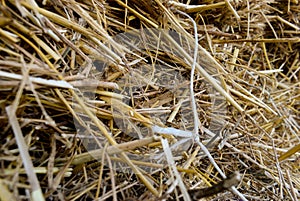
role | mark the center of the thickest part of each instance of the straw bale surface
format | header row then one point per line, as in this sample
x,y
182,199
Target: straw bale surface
x,y
78,100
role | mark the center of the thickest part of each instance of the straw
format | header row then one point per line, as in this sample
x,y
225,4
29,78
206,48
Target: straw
x,y
104,95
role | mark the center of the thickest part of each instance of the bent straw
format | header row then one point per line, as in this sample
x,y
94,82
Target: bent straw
x,y
205,74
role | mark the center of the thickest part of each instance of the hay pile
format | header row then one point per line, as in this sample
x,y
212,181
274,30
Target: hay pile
x,y
79,101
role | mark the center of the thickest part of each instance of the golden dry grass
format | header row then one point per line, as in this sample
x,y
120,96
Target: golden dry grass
x,y
49,65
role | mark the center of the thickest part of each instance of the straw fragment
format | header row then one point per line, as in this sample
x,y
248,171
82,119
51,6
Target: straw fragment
x,y
36,193
38,80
